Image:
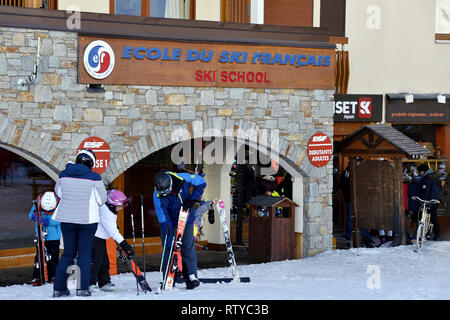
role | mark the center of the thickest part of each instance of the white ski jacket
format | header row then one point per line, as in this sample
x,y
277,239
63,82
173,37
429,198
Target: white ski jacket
x,y
107,226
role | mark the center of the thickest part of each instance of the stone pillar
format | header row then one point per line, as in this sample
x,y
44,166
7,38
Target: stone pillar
x,y
297,197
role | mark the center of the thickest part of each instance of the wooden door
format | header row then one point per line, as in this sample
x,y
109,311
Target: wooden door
x,y
374,195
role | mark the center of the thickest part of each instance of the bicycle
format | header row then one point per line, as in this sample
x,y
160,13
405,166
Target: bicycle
x,y
424,227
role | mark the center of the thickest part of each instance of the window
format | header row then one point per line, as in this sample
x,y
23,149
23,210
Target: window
x,y
179,9
442,28
332,16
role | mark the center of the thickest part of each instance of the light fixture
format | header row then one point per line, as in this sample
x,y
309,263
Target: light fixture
x,y
409,98
95,87
441,98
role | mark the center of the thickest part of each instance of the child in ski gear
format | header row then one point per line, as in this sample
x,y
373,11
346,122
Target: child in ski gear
x,y
172,191
41,212
82,192
107,228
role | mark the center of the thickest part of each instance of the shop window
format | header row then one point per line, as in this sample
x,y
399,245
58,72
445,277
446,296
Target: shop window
x,y
442,28
179,9
20,183
289,12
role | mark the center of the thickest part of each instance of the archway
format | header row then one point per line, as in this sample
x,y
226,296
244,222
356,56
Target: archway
x,y
20,182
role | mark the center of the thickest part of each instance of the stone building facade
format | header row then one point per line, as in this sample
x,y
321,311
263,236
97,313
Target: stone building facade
x,y
47,120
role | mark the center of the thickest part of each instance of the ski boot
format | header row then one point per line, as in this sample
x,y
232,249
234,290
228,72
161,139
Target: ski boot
x,y
84,293
57,294
192,282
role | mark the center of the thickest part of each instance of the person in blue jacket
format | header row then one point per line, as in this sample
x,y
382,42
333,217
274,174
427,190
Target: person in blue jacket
x,y
47,203
173,191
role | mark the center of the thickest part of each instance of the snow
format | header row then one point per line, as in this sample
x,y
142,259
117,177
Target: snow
x,y
365,273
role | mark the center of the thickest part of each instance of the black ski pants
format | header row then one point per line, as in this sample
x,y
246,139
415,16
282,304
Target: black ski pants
x,y
99,263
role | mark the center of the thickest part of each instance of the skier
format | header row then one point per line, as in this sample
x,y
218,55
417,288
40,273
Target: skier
x,y
172,191
82,192
107,228
46,203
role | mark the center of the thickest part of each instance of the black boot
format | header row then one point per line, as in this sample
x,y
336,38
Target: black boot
x,y
192,282
64,293
83,293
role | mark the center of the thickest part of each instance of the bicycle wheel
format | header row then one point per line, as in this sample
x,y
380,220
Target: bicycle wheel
x,y
420,238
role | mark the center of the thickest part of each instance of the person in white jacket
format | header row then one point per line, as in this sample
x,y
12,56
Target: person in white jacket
x,y
107,228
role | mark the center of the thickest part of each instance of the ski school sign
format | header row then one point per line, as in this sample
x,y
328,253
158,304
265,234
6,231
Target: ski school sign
x,y
144,62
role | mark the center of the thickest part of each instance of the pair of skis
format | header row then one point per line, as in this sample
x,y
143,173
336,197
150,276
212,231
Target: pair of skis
x,y
40,247
141,280
175,262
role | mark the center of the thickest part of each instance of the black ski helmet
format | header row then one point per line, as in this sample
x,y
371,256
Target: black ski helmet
x,y
163,183
86,157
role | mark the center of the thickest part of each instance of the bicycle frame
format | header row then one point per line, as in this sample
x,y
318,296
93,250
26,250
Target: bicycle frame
x,y
424,226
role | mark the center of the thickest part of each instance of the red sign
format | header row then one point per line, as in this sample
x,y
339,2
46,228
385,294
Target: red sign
x,y
101,150
365,108
320,149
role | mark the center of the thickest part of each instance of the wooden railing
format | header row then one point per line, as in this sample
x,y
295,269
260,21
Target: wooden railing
x,y
342,70
22,3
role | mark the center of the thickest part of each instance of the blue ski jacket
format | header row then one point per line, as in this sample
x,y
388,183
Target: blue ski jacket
x,y
168,208
53,228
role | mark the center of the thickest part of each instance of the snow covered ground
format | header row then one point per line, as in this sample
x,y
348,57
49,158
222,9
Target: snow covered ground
x,y
377,273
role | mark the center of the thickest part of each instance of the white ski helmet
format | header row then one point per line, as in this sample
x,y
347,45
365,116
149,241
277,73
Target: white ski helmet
x,y
48,201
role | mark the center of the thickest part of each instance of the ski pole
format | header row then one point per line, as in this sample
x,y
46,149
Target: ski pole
x,y
143,237
134,239
160,266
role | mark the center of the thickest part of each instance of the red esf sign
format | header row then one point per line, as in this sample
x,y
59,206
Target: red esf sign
x,y
320,149
354,107
101,150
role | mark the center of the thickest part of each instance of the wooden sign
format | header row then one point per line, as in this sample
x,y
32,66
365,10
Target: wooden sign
x,y
145,62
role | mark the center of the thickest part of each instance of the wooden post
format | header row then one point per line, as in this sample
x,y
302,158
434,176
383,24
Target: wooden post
x,y
355,239
399,216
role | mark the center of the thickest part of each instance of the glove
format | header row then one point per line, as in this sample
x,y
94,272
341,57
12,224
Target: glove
x,y
40,220
211,216
127,248
188,204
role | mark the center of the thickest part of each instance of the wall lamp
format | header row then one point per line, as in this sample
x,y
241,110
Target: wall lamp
x,y
411,97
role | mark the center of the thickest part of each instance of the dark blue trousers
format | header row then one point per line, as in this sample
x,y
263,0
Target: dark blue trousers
x,y
78,240
188,254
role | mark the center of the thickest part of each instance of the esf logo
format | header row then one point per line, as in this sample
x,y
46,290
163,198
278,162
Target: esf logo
x,y
349,111
99,59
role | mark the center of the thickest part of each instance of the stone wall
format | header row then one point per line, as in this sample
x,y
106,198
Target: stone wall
x,y
53,116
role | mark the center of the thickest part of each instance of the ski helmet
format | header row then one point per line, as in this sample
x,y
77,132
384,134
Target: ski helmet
x,y
117,198
48,201
163,183
86,157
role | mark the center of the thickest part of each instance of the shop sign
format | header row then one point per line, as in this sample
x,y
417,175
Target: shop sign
x,y
145,62
320,149
101,150
358,108
420,111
